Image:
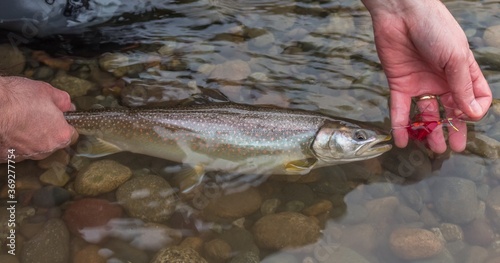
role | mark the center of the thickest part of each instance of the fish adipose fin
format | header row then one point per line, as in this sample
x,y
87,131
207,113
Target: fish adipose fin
x,y
94,147
301,166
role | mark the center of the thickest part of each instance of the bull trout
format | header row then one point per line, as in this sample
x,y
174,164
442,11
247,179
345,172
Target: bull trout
x,y
230,137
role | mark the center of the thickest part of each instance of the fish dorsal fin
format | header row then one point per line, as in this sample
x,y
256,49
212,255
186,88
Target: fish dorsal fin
x,y
94,147
303,166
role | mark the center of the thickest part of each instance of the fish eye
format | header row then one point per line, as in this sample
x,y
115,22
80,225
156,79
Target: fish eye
x,y
360,135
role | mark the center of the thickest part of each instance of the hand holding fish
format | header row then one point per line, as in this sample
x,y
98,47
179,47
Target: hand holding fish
x,y
31,120
424,51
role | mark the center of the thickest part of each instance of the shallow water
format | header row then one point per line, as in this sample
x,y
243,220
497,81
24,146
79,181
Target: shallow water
x,y
317,56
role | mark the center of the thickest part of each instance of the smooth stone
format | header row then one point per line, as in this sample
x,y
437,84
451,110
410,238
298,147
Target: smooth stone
x,y
451,232
428,218
298,192
465,166
294,206
269,206
234,205
43,73
379,190
217,250
284,230
240,239
50,196
177,254
334,254
406,214
246,257
233,70
195,243
85,214
482,145
479,232
59,159
76,87
355,214
493,206
148,189
89,254
115,63
492,36
322,206
455,199
381,211
488,56
50,245
85,102
363,237
101,177
414,243
473,254
55,177
12,60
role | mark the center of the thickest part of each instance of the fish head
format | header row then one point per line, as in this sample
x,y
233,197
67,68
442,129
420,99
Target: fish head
x,y
343,141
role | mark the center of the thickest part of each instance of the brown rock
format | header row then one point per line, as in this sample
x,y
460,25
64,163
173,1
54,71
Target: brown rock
x,y
90,212
217,250
101,177
75,87
483,145
234,205
286,229
323,206
231,71
58,158
57,63
192,242
178,254
492,36
479,232
12,61
89,254
414,243
55,176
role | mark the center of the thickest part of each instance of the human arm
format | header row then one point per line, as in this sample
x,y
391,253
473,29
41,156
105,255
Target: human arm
x,y
31,119
424,51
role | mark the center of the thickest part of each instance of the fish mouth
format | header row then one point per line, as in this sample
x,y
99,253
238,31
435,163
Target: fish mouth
x,y
376,147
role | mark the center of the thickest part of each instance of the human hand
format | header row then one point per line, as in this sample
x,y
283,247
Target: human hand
x,y
424,51
31,120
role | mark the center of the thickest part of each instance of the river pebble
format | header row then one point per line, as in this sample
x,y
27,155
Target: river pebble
x,y
415,243
322,206
286,229
269,206
89,254
455,199
465,166
125,252
50,245
147,197
240,240
443,257
473,254
246,257
479,232
76,87
58,159
101,177
492,36
451,232
12,60
482,145
363,237
235,205
217,250
233,70
177,254
90,213
56,176
50,196
195,243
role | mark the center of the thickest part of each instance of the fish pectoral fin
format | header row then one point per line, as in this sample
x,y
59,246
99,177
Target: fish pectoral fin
x,y
97,147
189,178
303,166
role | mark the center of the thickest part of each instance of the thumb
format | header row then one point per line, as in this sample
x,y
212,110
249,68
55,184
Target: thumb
x,y
459,79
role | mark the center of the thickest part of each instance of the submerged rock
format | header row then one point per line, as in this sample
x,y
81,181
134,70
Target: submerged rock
x,y
76,87
12,60
455,199
147,197
101,177
284,230
415,243
234,205
50,245
177,254
492,36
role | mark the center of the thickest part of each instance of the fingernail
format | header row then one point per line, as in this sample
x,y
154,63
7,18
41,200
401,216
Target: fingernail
x,y
476,108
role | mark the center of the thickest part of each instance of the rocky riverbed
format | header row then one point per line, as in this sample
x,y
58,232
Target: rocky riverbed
x,y
409,205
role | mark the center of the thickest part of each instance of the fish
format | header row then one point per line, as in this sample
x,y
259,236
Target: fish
x,y
229,137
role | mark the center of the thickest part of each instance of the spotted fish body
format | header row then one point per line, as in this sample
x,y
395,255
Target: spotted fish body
x,y
229,137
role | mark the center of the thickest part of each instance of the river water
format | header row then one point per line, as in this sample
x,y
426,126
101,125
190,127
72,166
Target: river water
x,y
409,205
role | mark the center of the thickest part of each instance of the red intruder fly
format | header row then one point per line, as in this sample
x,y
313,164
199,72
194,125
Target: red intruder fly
x,y
418,129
